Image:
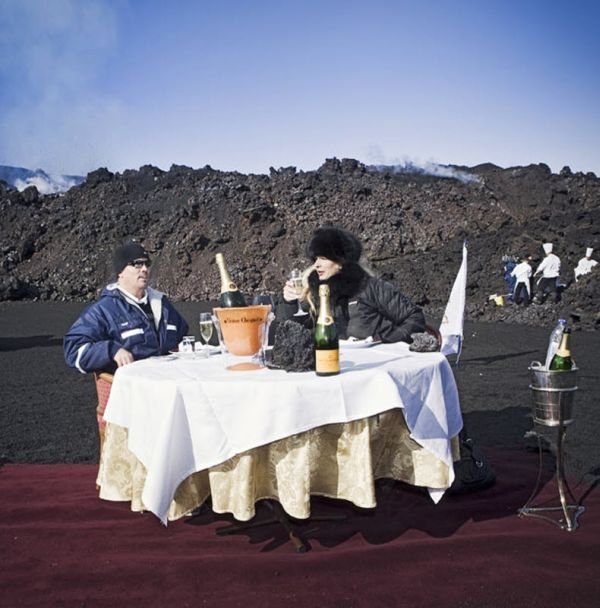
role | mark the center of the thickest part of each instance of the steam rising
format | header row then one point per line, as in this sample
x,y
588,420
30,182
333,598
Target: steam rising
x,y
50,185
430,169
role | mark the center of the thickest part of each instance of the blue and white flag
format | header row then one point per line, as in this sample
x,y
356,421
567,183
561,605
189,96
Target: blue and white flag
x,y
451,327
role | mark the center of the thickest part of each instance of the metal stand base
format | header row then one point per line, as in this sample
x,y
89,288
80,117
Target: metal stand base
x,y
569,522
568,513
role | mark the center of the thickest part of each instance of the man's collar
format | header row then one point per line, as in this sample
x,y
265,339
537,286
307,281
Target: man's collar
x,y
129,296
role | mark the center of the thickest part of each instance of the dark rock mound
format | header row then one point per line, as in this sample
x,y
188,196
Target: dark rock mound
x,y
412,225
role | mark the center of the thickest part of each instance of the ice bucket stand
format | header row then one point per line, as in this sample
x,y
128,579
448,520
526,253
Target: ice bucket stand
x,y
552,395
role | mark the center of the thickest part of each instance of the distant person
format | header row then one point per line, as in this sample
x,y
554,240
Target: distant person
x,y
130,321
549,268
585,265
508,265
363,305
522,275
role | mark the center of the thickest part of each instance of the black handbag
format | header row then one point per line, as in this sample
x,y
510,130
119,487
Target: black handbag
x,y
472,472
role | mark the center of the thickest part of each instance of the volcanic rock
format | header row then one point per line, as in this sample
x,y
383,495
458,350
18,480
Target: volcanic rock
x,y
412,225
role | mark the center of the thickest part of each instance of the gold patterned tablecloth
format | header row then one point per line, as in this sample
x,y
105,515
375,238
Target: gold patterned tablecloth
x,y
336,460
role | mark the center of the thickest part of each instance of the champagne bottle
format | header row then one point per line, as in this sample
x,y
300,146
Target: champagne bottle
x,y
562,359
554,341
230,295
327,348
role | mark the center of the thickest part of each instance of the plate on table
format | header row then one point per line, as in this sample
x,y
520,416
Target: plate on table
x,y
178,354
355,343
198,354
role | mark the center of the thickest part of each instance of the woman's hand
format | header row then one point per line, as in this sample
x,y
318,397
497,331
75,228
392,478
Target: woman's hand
x,y
289,292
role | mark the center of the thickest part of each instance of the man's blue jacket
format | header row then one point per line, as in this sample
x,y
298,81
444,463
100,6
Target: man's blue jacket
x,y
115,322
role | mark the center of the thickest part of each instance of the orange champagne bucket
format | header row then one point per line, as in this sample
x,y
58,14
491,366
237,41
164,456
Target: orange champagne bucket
x,y
242,331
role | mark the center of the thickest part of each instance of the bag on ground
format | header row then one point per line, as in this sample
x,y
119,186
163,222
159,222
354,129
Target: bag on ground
x,y
472,472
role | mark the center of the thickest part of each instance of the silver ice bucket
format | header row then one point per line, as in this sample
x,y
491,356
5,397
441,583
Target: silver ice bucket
x,y
552,394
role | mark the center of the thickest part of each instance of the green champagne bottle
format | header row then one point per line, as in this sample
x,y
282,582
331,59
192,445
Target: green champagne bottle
x,y
327,347
562,359
231,296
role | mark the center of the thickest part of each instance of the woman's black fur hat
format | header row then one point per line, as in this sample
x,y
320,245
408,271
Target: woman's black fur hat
x,y
334,244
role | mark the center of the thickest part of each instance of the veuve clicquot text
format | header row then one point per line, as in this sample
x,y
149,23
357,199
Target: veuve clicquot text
x,y
230,295
327,347
562,360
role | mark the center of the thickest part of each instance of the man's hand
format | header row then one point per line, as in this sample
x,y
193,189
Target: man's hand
x,y
123,357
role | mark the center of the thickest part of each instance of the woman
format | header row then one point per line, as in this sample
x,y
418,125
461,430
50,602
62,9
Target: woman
x,y
363,305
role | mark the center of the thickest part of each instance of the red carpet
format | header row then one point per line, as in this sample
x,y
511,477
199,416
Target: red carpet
x,y
62,546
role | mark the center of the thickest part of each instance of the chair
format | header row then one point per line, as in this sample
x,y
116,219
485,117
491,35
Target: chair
x,y
103,382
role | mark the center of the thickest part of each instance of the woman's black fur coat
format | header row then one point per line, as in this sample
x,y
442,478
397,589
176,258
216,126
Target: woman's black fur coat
x,y
365,306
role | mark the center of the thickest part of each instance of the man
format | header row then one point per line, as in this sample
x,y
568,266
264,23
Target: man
x,y
130,321
585,265
522,274
509,263
549,268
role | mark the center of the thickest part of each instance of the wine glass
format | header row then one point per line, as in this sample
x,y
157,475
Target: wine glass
x,y
216,323
296,278
263,300
206,327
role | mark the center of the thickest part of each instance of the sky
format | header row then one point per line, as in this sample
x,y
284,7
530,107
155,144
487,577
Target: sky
x,y
247,85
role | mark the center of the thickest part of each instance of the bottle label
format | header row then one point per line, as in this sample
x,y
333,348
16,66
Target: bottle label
x,y
327,361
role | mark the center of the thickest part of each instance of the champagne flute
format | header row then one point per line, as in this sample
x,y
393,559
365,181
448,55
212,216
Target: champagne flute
x,y
206,327
296,278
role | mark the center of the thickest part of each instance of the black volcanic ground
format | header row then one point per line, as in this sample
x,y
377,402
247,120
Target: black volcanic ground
x,y
48,410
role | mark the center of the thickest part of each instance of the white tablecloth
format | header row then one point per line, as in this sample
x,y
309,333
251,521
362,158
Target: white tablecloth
x,y
186,415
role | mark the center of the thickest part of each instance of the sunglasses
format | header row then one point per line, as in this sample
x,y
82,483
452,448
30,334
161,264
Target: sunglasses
x,y
140,263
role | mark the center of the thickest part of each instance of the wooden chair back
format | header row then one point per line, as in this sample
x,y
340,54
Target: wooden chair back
x,y
103,382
